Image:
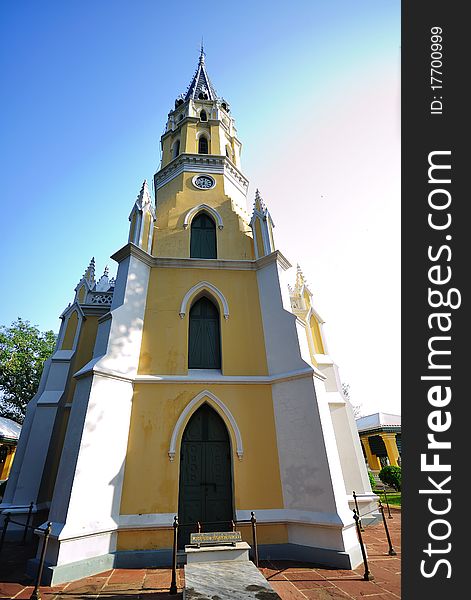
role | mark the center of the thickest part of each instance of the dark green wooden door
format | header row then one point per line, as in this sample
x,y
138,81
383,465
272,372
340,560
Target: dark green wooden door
x,y
204,348
203,237
205,492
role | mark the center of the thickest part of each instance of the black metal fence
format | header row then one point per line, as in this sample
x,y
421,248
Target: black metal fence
x,y
35,595
368,576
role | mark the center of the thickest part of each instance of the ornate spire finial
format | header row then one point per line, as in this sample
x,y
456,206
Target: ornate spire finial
x,y
144,195
89,274
258,202
202,54
300,279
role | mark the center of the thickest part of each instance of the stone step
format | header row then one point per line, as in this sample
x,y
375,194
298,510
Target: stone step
x,y
228,580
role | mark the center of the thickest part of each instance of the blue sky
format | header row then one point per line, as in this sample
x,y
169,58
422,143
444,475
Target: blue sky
x,y
314,88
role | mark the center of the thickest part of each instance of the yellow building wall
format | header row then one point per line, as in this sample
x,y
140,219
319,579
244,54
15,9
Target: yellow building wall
x,y
258,235
164,349
155,411
145,234
163,537
316,336
176,198
70,331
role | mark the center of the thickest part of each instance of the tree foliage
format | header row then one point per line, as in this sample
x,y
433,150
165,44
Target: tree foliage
x,y
23,350
391,475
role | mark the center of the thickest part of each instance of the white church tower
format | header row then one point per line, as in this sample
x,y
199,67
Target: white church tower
x,y
197,383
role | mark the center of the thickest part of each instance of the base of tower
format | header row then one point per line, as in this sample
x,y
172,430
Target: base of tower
x,y
151,559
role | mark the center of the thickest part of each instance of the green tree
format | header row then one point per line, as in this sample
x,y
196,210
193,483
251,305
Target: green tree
x,y
23,350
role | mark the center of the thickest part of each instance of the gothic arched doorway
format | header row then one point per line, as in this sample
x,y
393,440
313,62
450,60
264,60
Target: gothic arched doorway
x,y
205,492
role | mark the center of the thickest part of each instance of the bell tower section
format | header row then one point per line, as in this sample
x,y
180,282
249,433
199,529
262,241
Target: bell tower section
x,y
200,169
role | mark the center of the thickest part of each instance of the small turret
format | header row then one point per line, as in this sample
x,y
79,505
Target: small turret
x,y
262,228
142,218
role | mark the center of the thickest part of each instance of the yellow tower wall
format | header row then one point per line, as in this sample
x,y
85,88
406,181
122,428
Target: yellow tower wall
x,y
164,349
176,198
155,411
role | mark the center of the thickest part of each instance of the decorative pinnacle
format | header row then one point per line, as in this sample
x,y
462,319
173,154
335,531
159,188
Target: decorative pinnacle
x,y
300,279
143,196
202,54
258,203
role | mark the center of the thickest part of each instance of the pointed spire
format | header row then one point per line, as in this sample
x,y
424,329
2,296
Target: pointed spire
x,y
202,54
201,87
89,274
143,197
300,279
258,202
103,284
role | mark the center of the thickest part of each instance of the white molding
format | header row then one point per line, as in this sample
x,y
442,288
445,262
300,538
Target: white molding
x,y
202,207
203,376
201,163
146,520
131,249
214,376
273,515
204,285
191,407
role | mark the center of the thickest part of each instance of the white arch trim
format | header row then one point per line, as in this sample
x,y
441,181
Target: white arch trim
x,y
191,407
203,285
193,211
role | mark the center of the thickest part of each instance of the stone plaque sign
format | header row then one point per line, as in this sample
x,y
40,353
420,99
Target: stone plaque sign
x,y
214,538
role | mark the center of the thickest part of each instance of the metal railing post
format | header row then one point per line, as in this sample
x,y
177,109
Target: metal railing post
x,y
28,519
367,575
387,503
4,531
36,595
391,552
173,584
253,520
358,511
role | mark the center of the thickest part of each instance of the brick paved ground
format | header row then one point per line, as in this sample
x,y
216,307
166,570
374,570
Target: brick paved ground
x,y
292,581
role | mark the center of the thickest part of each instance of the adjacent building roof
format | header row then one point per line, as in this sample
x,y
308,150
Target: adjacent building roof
x,y
378,421
9,430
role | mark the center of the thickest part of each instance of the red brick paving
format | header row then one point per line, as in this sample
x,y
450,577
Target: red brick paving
x,y
292,581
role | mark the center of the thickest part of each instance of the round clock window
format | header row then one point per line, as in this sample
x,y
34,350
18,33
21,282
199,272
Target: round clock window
x,y
203,182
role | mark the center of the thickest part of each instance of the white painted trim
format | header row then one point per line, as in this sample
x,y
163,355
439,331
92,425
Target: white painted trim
x,y
202,207
149,520
191,407
204,285
273,515
292,515
214,376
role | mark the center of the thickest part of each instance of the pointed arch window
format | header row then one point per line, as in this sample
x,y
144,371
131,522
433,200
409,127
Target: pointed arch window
x,y
176,149
203,115
203,237
203,145
204,343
